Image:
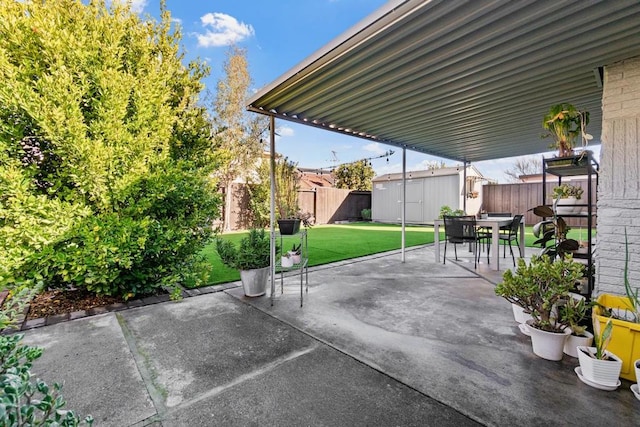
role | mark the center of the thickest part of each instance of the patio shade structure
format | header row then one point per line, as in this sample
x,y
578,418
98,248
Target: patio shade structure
x,y
463,80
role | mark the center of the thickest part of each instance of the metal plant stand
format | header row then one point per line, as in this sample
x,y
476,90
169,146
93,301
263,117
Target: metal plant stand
x,y
301,268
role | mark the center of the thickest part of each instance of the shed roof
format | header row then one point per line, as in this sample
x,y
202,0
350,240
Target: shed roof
x,y
464,80
428,173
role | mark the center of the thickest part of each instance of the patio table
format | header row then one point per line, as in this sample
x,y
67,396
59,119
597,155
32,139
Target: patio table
x,y
491,222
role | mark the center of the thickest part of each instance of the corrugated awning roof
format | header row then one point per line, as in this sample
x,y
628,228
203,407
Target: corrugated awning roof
x,y
464,80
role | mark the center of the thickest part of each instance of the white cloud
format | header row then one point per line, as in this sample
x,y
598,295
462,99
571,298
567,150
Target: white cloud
x,y
137,6
223,30
376,148
177,20
285,131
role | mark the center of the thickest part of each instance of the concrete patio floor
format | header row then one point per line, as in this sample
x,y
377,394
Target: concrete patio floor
x,y
377,342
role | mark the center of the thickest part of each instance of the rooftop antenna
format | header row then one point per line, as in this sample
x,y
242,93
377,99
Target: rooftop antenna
x,y
334,158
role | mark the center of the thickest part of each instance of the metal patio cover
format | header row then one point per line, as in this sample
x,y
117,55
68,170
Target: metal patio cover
x,y
464,80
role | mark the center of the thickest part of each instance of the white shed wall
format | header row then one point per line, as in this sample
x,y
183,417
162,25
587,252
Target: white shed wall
x,y
425,196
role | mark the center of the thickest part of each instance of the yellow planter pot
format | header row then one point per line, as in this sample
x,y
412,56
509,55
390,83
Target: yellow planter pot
x,y
625,339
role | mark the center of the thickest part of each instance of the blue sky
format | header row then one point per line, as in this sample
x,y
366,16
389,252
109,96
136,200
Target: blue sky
x,y
277,35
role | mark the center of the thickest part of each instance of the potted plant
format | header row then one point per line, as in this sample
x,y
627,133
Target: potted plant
x,y
552,233
286,260
599,367
537,287
623,311
566,197
565,123
252,258
574,311
294,253
287,178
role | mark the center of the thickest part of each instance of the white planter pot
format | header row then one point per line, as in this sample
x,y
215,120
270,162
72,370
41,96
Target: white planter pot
x,y
603,372
519,314
286,261
254,282
573,341
548,345
295,257
567,206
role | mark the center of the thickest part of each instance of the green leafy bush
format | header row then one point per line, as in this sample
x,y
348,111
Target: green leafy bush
x,y
254,251
105,153
448,211
22,401
153,242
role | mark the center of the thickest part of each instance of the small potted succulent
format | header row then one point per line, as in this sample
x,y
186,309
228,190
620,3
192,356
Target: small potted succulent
x,y
294,253
574,311
537,288
252,258
566,197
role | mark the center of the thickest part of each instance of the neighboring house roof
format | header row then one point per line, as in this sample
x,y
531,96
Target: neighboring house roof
x,y
462,80
312,178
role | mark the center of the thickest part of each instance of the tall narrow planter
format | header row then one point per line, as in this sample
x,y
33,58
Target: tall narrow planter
x,y
548,345
254,282
289,227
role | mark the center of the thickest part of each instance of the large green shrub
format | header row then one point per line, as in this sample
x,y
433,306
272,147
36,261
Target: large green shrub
x,y
105,155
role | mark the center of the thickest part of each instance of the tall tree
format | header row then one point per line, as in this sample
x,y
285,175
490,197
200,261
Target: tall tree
x,y
237,132
354,176
105,155
524,166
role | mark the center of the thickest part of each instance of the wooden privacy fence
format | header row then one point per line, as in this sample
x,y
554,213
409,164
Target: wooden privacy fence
x,y
519,198
327,205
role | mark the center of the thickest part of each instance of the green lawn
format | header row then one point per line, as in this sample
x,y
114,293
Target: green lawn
x,y
330,243
336,242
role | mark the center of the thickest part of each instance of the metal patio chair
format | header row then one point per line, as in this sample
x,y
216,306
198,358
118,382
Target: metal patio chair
x,y
462,229
510,234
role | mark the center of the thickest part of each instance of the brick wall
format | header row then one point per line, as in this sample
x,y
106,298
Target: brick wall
x,y
619,188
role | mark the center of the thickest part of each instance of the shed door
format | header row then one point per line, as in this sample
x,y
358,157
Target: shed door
x,y
440,191
415,193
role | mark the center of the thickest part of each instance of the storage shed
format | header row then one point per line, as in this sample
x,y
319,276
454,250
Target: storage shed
x,y
427,191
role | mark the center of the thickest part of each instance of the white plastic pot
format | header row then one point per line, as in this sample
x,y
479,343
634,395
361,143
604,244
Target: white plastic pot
x,y
519,314
548,345
603,372
286,261
573,341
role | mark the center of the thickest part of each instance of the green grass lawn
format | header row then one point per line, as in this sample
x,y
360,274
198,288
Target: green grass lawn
x,y
330,243
336,242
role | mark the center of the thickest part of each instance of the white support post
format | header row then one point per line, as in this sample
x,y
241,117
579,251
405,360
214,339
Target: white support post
x,y
272,214
404,198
